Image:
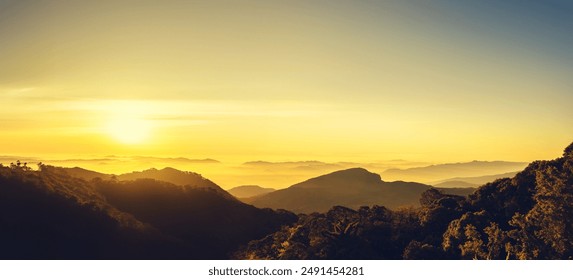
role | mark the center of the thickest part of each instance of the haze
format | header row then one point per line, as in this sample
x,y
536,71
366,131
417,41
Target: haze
x,y
280,81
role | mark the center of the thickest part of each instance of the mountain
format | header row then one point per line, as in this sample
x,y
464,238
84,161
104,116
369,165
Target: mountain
x,y
48,214
85,174
439,172
177,177
249,191
471,181
455,184
351,188
203,216
170,175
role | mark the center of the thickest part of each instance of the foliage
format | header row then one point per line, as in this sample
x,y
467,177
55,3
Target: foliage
x,y
341,233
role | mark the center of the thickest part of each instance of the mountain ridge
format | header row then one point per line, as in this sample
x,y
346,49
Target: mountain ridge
x,y
354,187
50,214
442,172
247,191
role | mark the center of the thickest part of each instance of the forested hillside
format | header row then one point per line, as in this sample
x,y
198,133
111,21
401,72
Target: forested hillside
x,y
529,216
48,214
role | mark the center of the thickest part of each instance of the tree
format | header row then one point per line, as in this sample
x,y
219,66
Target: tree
x,y
547,228
496,247
473,245
421,251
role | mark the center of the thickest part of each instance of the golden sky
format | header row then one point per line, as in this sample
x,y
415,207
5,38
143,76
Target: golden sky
x,y
286,80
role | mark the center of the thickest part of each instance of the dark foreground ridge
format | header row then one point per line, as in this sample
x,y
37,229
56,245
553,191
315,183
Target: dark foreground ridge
x,y
48,214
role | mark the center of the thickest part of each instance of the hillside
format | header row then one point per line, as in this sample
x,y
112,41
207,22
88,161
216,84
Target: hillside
x,y
85,174
168,174
176,177
351,188
249,191
49,214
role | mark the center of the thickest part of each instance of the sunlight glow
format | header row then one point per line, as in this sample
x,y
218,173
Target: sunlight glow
x,y
335,81
129,130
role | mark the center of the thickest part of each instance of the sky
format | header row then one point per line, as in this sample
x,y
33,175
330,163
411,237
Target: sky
x,y
361,81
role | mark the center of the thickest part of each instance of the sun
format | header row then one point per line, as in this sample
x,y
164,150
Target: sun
x,y
129,130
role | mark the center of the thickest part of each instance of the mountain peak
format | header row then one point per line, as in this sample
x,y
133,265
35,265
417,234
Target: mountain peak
x,y
342,178
352,188
357,171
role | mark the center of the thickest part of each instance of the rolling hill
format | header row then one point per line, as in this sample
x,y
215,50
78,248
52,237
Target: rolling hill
x,y
176,177
49,214
84,174
211,221
168,174
351,188
249,191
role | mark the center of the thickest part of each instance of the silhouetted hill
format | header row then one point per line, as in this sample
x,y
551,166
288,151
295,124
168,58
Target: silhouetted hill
x,y
350,188
85,174
202,215
170,175
249,191
49,214
435,173
528,216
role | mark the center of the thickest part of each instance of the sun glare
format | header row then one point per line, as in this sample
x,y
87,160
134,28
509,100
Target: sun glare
x,y
129,130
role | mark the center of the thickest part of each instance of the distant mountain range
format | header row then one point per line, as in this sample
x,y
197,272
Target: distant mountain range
x,y
455,184
282,174
249,191
471,181
351,188
441,172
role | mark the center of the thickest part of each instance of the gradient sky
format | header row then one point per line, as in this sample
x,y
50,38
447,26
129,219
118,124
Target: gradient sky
x,y
433,81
